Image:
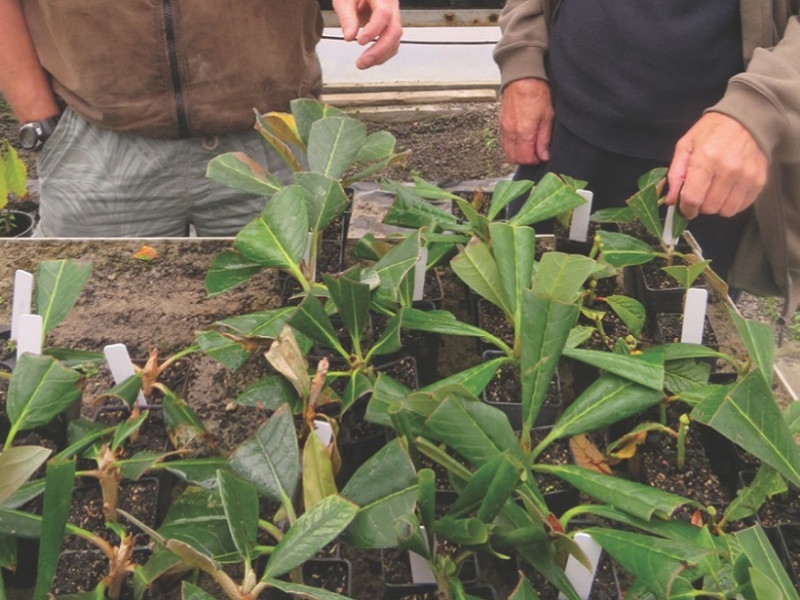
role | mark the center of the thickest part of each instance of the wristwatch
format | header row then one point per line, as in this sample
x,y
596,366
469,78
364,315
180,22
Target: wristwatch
x,y
34,134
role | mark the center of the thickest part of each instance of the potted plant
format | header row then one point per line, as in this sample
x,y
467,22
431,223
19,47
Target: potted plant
x,y
13,180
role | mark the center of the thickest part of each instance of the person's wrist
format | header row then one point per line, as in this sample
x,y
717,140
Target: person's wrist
x,y
33,134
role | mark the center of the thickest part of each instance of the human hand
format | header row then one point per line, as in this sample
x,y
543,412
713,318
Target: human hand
x,y
718,168
375,22
526,121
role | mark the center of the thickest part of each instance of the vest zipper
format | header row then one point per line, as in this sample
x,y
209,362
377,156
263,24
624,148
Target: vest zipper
x,y
172,55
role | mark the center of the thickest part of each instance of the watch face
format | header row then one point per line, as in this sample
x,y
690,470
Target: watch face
x,y
28,138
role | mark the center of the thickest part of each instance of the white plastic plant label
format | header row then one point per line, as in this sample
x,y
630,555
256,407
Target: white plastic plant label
x,y
581,579
694,315
29,338
579,227
307,255
119,362
420,569
420,271
666,234
23,300
324,432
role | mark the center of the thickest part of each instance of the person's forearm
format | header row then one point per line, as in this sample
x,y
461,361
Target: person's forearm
x,y
23,81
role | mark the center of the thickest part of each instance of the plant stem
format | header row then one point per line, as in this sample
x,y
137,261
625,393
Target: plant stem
x,y
683,430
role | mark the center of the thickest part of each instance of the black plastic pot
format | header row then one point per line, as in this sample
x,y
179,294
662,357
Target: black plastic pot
x,y
512,407
397,576
21,224
94,565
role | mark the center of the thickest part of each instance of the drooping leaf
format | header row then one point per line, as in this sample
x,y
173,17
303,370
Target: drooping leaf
x,y
271,459
318,526
229,269
645,368
60,477
318,476
546,325
385,488
750,417
505,192
550,197
311,319
240,503
620,250
630,310
524,590
758,550
40,388
639,500
57,286
606,401
325,199
17,464
334,144
476,267
239,171
759,341
279,236
516,245
766,483
197,517
285,357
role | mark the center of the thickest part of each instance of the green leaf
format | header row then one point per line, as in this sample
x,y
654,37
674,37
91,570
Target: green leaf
x,y
239,171
60,478
200,471
318,478
230,352
791,415
14,173
57,286
279,237
549,198
517,246
639,500
17,464
334,144
630,310
127,428
192,592
197,517
304,591
385,391
766,483
546,325
475,430
683,376
318,526
524,590
229,269
378,146
307,111
606,401
644,205
473,379
269,393
395,266
758,550
325,198
311,319
561,276
385,487
645,368
182,423
505,192
476,267
620,250
686,275
271,459
759,341
40,388
666,567
141,462
443,322
240,502
750,417
352,300
620,214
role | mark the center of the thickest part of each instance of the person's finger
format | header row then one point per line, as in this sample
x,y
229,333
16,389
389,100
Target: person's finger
x,y
695,188
348,18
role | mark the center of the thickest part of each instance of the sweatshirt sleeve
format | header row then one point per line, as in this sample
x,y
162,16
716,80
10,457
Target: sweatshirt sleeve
x,y
522,46
765,98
